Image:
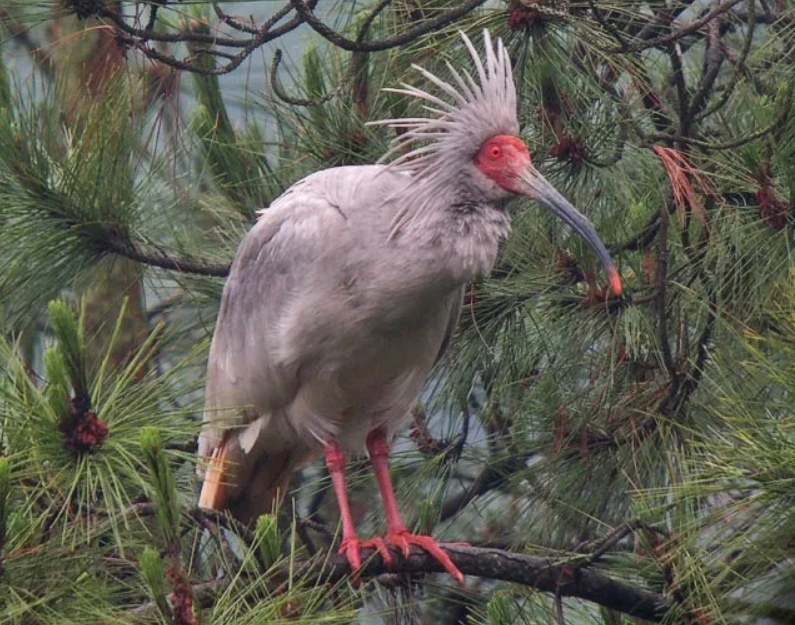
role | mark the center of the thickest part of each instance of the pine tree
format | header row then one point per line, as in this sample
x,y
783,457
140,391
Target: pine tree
x,y
608,459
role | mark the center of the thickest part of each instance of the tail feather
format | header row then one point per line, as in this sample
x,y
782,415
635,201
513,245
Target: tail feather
x,y
254,485
213,493
265,489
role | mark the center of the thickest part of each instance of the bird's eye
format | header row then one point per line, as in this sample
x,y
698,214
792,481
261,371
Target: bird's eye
x,y
495,151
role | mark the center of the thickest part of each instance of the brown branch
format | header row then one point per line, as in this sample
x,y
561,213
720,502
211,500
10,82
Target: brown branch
x,y
739,64
677,34
595,549
713,59
490,478
284,96
564,579
652,102
233,22
430,446
772,128
684,386
138,38
368,21
640,240
607,24
683,96
181,36
182,265
384,44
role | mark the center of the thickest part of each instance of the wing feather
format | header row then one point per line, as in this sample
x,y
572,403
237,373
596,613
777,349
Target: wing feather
x,y
245,378
452,323
259,348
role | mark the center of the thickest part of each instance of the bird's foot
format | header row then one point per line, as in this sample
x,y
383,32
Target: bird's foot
x,y
404,539
351,548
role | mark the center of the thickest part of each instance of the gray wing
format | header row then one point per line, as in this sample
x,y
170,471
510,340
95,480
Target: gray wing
x,y
252,369
452,324
244,375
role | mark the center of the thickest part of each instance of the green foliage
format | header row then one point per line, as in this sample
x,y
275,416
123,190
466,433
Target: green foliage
x,y
154,576
238,166
69,526
53,193
167,511
267,536
69,357
5,493
649,439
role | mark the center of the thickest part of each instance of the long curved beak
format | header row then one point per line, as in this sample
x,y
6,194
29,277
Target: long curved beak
x,y
532,184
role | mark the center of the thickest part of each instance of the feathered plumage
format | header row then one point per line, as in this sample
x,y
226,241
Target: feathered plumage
x,y
430,149
348,288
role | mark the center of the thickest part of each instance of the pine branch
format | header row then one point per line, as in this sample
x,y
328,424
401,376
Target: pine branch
x,y
563,579
446,18
138,38
677,34
182,265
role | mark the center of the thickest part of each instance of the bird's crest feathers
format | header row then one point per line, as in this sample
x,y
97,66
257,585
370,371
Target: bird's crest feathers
x,y
432,148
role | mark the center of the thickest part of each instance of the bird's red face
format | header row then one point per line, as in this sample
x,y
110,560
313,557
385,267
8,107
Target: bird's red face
x,y
505,160
502,158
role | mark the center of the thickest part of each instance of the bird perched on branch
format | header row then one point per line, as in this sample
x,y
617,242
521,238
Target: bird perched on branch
x,y
348,289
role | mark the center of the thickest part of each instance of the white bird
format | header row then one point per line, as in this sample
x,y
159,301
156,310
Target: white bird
x,y
348,289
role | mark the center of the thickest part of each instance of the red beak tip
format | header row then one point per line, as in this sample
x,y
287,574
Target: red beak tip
x,y
615,284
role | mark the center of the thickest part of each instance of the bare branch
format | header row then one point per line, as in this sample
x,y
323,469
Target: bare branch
x,y
661,280
713,59
677,34
384,44
284,96
139,38
565,579
368,21
490,478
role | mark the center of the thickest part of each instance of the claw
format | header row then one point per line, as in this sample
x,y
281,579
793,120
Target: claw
x,y
402,543
351,549
404,539
379,545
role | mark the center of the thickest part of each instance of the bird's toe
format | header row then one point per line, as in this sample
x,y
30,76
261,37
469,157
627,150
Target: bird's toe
x,y
404,540
379,545
351,549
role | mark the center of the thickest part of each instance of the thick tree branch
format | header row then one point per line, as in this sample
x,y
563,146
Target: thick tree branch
x,y
713,59
562,579
739,65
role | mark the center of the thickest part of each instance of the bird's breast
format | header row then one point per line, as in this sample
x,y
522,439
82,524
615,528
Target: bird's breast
x,y
363,367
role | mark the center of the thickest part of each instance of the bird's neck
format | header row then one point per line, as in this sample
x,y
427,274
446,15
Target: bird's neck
x,y
460,238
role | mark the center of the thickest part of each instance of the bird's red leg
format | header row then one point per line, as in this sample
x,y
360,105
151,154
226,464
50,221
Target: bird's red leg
x,y
351,545
396,532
